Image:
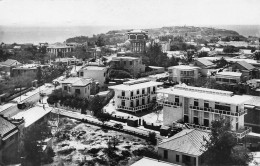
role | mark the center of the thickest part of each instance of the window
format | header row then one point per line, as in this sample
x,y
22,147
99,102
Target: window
x,y
148,100
123,102
137,92
233,81
123,93
65,88
165,154
177,100
225,80
206,105
143,101
137,102
132,93
131,63
143,91
218,79
148,90
186,119
206,122
177,158
154,88
104,74
81,74
132,103
196,120
196,102
77,91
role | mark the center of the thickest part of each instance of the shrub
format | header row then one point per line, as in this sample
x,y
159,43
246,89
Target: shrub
x,y
126,153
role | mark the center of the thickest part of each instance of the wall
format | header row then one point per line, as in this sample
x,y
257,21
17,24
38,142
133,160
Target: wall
x,y
171,114
99,75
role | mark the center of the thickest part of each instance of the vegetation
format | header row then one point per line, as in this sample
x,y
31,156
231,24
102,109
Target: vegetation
x,y
33,144
155,56
68,100
119,74
257,55
221,146
230,49
221,63
202,54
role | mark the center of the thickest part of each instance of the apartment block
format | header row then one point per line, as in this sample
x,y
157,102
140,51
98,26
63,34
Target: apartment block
x,y
183,73
198,107
136,95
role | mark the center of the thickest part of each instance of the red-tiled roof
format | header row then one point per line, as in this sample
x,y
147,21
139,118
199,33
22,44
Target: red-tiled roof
x,y
5,126
188,141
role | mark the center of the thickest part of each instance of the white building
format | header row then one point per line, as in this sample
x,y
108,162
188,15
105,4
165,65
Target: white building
x,y
135,95
198,107
98,73
228,77
183,73
59,50
77,86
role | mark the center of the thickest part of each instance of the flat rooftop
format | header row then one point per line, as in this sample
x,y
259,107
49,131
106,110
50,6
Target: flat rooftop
x,y
184,67
125,58
135,84
206,94
94,68
32,115
145,161
229,73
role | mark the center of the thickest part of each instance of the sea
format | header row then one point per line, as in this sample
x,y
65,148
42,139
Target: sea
x,y
37,34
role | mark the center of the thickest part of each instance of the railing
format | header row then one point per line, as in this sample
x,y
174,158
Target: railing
x,y
244,133
136,97
134,108
217,111
168,103
194,126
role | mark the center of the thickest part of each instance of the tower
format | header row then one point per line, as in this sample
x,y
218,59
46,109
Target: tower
x,y
137,39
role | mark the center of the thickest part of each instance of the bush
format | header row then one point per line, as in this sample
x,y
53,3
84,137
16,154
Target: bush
x,y
94,150
152,138
120,74
126,153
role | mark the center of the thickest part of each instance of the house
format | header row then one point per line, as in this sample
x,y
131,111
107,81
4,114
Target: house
x,y
184,148
99,73
8,140
246,51
145,161
205,66
183,73
8,64
67,61
28,69
247,70
133,65
198,107
136,95
227,77
77,86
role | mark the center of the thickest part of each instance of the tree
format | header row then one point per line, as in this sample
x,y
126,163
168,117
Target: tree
x,y
221,146
221,63
33,138
100,41
39,74
257,55
103,117
230,49
156,56
96,105
120,74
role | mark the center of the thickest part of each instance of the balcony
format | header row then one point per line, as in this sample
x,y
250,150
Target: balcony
x,y
243,132
168,103
216,111
134,109
135,97
194,126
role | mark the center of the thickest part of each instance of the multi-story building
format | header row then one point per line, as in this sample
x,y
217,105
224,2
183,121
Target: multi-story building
x,y
28,69
133,65
136,95
183,73
77,86
138,40
99,73
59,50
198,107
228,77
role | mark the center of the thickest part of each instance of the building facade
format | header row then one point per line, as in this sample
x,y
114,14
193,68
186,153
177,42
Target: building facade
x,y
198,107
230,78
136,95
133,65
138,40
183,73
80,87
99,73
59,51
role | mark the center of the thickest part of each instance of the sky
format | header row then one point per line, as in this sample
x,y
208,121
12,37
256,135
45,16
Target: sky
x,y
126,13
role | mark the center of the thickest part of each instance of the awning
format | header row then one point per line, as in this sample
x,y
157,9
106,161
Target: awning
x,y
249,106
9,135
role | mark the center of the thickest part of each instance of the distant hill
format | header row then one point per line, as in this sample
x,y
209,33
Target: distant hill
x,y
245,30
